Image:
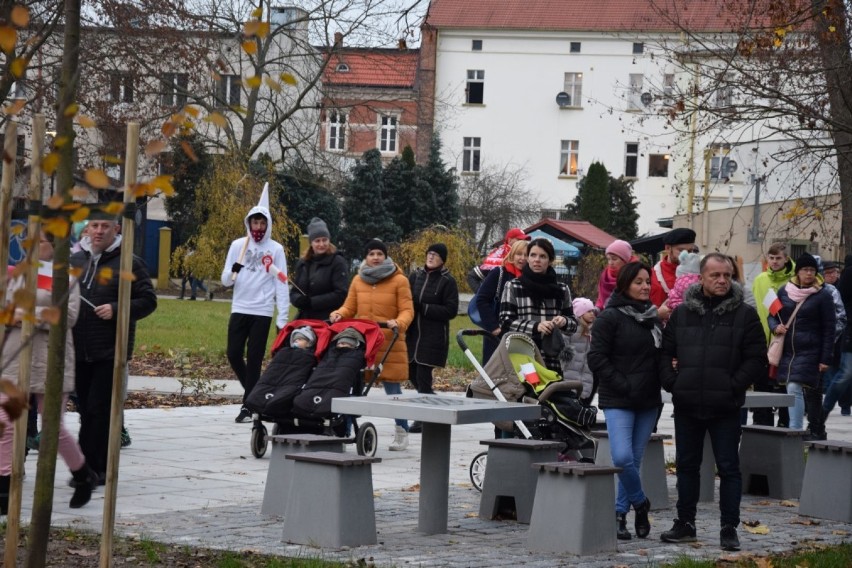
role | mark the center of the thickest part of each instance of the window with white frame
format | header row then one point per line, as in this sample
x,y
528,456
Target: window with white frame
x,y
724,91
631,159
121,88
228,91
658,165
668,88
174,89
474,91
634,96
336,130
569,157
471,152
719,159
574,88
388,125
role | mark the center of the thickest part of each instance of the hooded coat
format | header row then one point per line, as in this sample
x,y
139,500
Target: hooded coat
x,y
436,302
256,290
765,281
720,351
324,281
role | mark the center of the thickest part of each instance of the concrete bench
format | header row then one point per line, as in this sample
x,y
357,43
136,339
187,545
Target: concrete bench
x,y
280,472
330,503
772,461
510,480
827,486
653,470
574,509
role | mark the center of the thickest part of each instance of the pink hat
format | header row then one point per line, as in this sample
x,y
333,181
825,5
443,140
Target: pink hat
x,y
581,306
621,249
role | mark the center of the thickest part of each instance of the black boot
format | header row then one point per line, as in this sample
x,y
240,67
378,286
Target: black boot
x,y
85,481
642,524
621,527
4,493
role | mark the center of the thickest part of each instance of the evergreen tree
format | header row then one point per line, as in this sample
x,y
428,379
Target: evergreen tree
x,y
399,178
365,207
306,196
593,200
182,208
444,184
623,222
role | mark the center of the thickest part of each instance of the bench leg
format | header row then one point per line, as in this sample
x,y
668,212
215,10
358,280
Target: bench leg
x,y
434,478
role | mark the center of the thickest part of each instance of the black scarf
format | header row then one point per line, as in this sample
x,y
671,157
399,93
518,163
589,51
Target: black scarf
x,y
541,286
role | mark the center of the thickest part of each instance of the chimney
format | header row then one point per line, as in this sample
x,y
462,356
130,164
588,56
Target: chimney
x,y
338,39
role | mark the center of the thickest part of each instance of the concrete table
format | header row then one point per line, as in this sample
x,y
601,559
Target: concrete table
x,y
437,413
708,461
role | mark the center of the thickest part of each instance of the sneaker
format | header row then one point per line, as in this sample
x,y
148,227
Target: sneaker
x,y
681,531
847,411
243,416
728,538
416,427
400,440
125,437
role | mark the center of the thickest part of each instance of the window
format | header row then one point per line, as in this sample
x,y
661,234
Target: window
x,y
387,133
574,47
724,91
631,159
658,165
719,160
569,157
473,92
668,88
638,48
336,133
476,45
634,101
228,91
574,87
471,154
342,68
120,88
174,89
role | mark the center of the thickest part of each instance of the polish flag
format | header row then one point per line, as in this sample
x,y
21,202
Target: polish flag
x,y
45,275
771,302
529,374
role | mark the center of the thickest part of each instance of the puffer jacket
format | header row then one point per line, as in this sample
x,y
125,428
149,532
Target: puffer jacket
x,y
94,338
623,358
720,350
12,344
809,341
387,299
761,285
324,281
436,302
578,368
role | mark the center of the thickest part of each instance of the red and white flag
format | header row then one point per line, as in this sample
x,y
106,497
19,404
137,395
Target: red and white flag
x,y
771,302
45,275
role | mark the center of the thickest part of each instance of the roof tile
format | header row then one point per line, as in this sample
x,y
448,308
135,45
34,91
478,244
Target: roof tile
x,y
372,68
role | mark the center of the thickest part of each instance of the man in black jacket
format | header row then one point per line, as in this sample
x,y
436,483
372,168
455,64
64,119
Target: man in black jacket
x,y
95,331
713,348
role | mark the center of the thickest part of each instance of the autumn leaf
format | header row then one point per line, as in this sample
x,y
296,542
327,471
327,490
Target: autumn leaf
x,y
127,276
104,275
75,271
164,184
19,67
217,119
257,13
56,226
113,208
759,529
55,201
50,163
20,16
24,299
79,192
763,562
50,315
96,178
249,29
155,147
85,121
168,129
787,503
250,47
272,84
81,214
252,82
262,29
188,151
112,160
60,141
832,29
289,79
191,111
18,230
140,190
71,110
8,38
16,106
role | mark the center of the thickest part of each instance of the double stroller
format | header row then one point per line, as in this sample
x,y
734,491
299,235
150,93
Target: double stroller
x,y
328,361
516,373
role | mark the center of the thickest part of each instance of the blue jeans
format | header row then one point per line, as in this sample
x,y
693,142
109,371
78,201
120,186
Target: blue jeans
x,y
629,431
395,388
797,411
838,384
725,435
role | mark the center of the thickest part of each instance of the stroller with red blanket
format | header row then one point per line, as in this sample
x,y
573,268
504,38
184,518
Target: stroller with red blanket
x,y
296,389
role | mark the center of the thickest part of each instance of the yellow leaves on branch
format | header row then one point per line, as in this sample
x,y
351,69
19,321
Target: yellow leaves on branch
x,y
96,178
127,276
71,110
217,119
113,208
19,67
49,163
250,47
85,122
20,16
8,39
56,226
252,82
155,147
104,275
50,315
256,28
16,107
55,202
80,214
289,79
188,151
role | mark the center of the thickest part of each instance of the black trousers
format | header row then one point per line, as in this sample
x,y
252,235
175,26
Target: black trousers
x,y
766,416
421,377
247,337
94,398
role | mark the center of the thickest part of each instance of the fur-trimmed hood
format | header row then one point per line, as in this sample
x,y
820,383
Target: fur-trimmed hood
x,y
696,301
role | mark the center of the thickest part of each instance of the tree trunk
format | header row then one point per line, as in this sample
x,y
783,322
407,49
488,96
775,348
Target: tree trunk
x,y
46,470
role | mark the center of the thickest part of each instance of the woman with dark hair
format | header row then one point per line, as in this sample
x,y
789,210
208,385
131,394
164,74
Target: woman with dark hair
x,y
537,304
488,295
624,359
321,278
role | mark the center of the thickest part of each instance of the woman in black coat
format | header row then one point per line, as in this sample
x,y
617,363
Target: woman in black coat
x,y
436,302
624,358
488,295
321,278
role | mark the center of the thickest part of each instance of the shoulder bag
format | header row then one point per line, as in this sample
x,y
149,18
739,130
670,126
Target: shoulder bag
x,y
473,310
776,344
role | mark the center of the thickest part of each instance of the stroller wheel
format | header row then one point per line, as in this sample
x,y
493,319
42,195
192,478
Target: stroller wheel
x,y
477,470
367,440
258,441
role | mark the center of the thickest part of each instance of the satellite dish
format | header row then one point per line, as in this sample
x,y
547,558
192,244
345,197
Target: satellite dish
x,y
563,99
732,166
646,98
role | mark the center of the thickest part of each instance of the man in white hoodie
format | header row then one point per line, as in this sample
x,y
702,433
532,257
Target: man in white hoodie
x,y
256,293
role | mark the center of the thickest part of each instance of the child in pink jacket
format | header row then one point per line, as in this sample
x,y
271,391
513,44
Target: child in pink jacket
x,y
688,273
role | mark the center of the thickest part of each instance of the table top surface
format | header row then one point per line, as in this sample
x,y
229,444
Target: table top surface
x,y
436,409
756,399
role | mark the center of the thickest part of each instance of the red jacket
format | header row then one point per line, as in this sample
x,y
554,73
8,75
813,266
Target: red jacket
x,y
660,293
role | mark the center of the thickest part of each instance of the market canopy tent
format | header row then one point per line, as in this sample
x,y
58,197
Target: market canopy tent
x,y
563,249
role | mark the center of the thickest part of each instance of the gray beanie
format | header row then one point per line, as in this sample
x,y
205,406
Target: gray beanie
x,y
305,332
352,334
317,229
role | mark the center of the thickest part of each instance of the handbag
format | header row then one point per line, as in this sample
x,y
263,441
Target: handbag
x,y
473,309
776,344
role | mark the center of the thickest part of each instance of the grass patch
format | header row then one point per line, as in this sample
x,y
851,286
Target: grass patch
x,y
833,556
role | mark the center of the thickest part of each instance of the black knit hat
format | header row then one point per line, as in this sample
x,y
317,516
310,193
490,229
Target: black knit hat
x,y
317,229
374,244
806,261
681,236
440,249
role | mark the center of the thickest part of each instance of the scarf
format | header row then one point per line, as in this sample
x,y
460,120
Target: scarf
x,y
606,285
648,318
798,294
374,274
541,286
512,269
